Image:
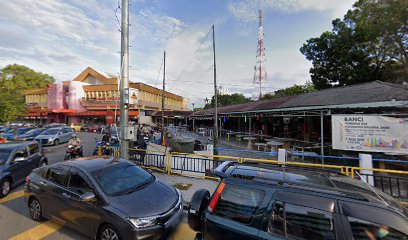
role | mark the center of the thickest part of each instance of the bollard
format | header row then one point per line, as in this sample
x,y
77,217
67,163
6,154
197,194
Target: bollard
x,y
99,151
366,161
282,155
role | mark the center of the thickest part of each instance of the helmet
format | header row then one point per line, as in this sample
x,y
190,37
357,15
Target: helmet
x,y
73,135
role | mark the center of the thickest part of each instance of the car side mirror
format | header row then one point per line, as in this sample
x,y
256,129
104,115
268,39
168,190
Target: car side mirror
x,y
19,159
87,197
149,171
198,204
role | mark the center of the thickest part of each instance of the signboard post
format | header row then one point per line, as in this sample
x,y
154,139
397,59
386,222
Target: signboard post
x,y
370,133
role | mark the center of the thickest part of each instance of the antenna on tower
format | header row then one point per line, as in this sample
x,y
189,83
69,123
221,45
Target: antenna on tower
x,y
260,75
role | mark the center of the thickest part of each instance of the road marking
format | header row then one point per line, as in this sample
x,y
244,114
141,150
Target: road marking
x,y
183,232
12,196
38,232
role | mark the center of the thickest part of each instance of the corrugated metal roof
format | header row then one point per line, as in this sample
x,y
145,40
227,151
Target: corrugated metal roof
x,y
366,95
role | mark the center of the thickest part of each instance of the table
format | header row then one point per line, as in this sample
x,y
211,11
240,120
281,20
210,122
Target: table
x,y
261,144
229,134
274,145
250,142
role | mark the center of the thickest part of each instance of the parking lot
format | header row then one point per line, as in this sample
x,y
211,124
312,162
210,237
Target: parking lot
x,y
15,222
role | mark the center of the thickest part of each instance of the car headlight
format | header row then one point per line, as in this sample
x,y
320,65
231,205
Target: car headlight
x,y
143,222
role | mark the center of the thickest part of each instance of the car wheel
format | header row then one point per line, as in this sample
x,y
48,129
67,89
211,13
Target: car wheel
x,y
109,232
56,142
35,209
5,186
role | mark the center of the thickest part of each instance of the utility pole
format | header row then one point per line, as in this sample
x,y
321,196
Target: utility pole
x,y
215,131
124,83
193,118
164,88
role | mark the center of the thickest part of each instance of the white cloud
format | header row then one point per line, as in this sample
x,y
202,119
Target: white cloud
x,y
247,10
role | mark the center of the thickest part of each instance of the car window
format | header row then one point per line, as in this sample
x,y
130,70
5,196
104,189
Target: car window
x,y
299,222
34,148
57,175
78,184
366,230
4,155
239,203
21,152
367,221
69,130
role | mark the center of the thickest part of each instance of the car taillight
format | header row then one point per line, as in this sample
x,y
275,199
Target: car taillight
x,y
216,197
27,180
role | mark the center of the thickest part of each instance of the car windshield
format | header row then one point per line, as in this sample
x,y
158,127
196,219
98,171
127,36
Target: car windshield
x,y
10,131
4,154
122,179
50,132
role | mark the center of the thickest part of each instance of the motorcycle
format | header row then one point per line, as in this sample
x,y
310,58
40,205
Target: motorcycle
x,y
72,153
106,150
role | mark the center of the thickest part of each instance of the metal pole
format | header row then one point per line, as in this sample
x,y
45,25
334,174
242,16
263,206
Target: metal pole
x,y
164,88
321,137
215,135
124,83
193,119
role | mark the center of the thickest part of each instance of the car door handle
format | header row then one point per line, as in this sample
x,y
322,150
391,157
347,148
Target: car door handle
x,y
66,195
43,183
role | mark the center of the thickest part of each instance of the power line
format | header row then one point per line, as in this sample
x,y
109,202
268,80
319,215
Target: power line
x,y
189,61
158,74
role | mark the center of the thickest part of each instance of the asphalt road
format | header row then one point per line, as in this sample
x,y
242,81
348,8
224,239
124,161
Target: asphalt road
x,y
16,224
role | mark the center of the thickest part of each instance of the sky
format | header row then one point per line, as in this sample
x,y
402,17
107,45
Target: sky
x,y
63,37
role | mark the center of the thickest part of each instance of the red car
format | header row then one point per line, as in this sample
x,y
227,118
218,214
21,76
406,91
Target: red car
x,y
94,128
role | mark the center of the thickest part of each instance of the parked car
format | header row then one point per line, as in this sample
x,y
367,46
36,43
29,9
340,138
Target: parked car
x,y
275,202
85,127
95,128
10,134
76,126
114,198
30,135
17,160
56,125
4,129
54,136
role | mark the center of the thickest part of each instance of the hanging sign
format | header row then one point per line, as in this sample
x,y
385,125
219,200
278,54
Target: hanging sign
x,y
370,133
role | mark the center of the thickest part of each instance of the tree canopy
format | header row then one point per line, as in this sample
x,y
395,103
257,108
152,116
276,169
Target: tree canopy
x,y
289,91
13,79
369,43
228,99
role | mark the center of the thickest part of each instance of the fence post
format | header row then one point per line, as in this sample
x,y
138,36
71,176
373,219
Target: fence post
x,y
168,162
281,155
366,161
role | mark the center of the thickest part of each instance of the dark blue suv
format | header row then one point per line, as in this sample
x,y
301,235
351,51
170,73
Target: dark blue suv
x,y
277,202
16,162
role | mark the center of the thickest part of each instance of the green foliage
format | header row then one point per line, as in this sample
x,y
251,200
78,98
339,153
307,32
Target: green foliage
x,y
14,79
289,91
370,43
228,99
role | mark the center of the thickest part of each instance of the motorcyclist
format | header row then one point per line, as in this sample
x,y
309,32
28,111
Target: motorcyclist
x,y
106,137
75,141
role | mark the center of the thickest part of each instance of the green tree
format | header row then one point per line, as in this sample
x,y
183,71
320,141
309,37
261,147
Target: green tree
x,y
370,43
13,79
228,99
289,91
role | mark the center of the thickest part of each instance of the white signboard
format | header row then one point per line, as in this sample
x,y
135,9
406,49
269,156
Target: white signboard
x,y
370,133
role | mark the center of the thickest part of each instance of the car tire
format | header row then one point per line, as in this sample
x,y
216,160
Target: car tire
x,y
35,209
5,186
56,142
109,232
